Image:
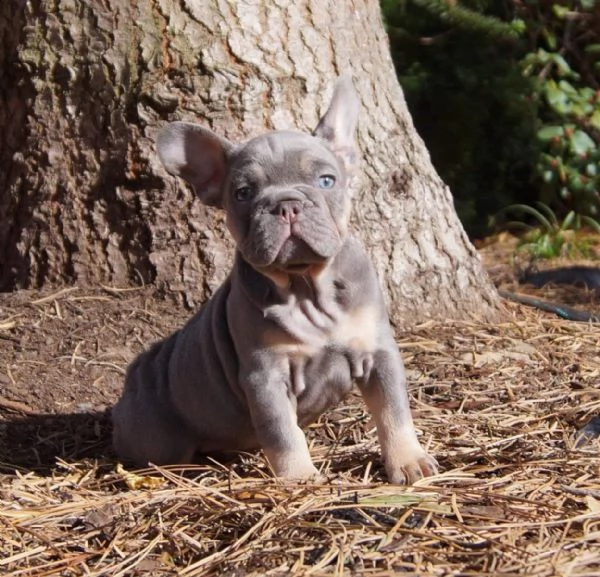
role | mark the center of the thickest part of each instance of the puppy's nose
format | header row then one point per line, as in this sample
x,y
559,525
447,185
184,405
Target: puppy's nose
x,y
288,210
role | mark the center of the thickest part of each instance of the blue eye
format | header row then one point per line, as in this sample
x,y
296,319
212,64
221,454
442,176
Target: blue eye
x,y
326,181
243,193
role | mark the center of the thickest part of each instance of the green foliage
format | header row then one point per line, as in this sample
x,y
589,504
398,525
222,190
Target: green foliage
x,y
504,93
460,82
551,237
468,19
565,63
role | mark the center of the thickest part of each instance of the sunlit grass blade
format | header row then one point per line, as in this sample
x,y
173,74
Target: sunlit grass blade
x,y
524,208
518,225
568,221
591,222
548,212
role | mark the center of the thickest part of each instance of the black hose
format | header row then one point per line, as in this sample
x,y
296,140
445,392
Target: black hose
x,y
563,311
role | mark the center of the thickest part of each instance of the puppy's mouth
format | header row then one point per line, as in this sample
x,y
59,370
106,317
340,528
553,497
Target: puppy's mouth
x,y
282,275
297,268
297,257
290,249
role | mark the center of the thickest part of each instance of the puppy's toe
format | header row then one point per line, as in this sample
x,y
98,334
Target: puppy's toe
x,y
367,366
361,364
315,477
294,466
409,471
302,474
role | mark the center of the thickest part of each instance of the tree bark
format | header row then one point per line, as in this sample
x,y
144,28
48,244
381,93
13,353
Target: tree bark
x,y
86,84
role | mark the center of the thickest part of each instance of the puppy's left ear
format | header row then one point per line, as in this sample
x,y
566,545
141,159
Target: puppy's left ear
x,y
198,155
338,125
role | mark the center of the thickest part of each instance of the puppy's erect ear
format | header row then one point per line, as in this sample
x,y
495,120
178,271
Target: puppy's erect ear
x,y
338,124
198,155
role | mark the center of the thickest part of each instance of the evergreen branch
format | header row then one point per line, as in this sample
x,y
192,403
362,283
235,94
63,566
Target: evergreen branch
x,y
467,18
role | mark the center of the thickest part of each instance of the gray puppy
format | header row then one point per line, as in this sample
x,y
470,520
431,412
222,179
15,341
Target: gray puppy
x,y
299,319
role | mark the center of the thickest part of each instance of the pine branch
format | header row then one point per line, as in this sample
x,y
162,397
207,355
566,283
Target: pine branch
x,y
449,11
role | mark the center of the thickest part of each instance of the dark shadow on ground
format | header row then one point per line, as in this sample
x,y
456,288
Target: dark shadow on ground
x,y
37,442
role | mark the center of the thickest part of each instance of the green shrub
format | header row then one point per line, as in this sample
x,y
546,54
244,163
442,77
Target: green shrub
x,y
563,61
549,237
504,96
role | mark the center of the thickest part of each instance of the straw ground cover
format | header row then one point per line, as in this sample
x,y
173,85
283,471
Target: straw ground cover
x,y
497,404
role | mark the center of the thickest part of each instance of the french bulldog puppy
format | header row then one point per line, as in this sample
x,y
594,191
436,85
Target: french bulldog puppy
x,y
300,318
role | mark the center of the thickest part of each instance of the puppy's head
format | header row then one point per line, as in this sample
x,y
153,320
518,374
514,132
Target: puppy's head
x,y
285,193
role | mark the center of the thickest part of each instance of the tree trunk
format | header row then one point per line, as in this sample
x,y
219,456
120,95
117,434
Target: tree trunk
x,y
86,84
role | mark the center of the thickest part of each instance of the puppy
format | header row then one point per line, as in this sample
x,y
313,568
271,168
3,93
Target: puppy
x,y
300,318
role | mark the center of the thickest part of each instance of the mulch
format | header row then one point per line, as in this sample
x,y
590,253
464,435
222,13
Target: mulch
x,y
498,405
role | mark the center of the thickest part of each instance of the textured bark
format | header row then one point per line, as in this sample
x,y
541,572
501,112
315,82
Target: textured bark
x,y
86,84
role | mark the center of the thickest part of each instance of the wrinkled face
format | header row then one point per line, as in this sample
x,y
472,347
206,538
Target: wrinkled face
x,y
285,193
286,200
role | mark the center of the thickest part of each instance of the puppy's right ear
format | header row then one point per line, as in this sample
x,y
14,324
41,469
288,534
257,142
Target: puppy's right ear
x,y
197,155
338,125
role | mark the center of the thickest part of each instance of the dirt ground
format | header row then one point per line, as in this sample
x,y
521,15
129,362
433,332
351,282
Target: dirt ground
x,y
63,357
497,404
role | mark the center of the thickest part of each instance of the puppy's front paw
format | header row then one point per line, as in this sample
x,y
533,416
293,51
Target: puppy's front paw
x,y
361,364
291,466
306,473
409,468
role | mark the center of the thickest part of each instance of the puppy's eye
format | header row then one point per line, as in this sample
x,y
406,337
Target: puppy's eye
x,y
326,181
243,193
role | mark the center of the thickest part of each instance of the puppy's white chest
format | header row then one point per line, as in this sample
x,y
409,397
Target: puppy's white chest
x,y
335,342
356,329
304,330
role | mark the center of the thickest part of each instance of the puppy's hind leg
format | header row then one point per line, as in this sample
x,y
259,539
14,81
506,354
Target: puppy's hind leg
x,y
145,432
146,426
